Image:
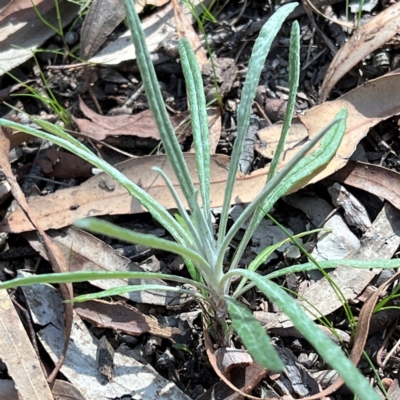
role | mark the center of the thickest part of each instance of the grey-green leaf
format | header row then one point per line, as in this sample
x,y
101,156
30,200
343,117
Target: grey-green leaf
x,y
157,104
198,112
253,336
330,352
101,227
260,51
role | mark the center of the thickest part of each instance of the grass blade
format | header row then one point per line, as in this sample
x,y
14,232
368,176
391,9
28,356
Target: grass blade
x,y
83,276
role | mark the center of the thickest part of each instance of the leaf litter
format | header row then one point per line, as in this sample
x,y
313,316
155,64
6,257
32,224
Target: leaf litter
x,y
365,116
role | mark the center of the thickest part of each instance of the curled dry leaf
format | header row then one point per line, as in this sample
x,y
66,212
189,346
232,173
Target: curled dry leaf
x,y
214,363
367,105
380,181
156,28
374,34
123,317
99,127
103,17
63,390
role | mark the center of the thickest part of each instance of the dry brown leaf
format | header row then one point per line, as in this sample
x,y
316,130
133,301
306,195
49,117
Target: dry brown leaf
x,y
185,29
21,87
213,361
374,34
367,105
17,353
156,28
310,4
21,10
63,390
380,181
123,317
54,254
101,195
64,165
102,18
394,390
142,124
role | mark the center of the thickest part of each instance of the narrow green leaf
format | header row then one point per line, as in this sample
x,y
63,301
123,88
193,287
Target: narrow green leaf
x,y
193,271
253,336
117,291
101,227
256,64
330,352
367,264
56,130
205,231
156,210
298,168
198,113
265,253
156,103
83,276
294,73
191,230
